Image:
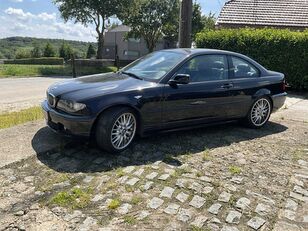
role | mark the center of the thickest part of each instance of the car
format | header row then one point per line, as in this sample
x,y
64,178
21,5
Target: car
x,y
163,91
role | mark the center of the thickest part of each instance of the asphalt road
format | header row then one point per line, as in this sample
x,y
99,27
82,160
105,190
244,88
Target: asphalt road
x,y
20,93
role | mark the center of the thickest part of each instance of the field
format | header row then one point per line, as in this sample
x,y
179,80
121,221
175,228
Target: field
x,y
13,70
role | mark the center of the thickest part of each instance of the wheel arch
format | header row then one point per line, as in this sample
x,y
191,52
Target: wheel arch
x,y
264,92
110,107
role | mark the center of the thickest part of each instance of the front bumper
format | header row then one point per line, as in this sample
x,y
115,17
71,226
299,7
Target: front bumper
x,y
279,100
67,124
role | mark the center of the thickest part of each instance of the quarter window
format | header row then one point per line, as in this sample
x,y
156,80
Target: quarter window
x,y
243,69
206,68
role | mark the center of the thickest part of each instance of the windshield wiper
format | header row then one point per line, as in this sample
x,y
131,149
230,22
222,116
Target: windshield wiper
x,y
132,75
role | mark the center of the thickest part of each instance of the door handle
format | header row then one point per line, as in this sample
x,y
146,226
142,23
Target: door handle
x,y
227,85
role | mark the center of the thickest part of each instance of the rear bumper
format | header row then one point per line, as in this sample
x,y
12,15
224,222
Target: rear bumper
x,y
67,124
279,100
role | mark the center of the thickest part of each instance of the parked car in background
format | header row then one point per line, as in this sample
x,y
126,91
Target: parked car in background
x,y
165,90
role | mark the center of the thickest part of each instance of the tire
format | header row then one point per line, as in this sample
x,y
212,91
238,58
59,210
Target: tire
x,y
259,113
112,133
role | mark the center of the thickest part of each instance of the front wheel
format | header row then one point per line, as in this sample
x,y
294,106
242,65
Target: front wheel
x,y
259,113
116,129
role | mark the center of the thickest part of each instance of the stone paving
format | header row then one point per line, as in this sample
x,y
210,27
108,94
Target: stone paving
x,y
225,178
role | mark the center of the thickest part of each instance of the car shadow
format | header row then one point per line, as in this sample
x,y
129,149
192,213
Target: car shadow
x,y
77,155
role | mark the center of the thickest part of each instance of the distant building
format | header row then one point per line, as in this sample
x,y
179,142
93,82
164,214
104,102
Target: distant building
x,y
127,49
292,14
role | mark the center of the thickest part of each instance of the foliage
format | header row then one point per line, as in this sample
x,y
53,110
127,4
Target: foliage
x,y
90,52
36,51
22,54
9,46
65,51
197,20
95,12
147,19
13,118
208,21
49,51
11,70
36,61
277,49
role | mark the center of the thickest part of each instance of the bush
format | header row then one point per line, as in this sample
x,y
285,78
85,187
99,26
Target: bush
x,y
37,61
276,49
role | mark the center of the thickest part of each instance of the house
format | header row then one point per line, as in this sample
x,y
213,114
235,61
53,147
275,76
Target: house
x,y
128,49
292,14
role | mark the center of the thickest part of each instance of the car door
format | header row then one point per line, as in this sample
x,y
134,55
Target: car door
x,y
205,98
246,82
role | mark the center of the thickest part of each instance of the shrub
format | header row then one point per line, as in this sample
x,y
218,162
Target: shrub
x,y
37,61
276,49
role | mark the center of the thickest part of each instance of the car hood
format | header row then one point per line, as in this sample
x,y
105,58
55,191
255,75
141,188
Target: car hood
x,y
87,87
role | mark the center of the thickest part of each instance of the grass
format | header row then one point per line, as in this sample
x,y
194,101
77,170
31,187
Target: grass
x,y
13,118
130,220
76,198
136,200
115,203
235,170
16,70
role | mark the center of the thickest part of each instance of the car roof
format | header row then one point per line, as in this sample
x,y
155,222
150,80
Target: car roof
x,y
191,51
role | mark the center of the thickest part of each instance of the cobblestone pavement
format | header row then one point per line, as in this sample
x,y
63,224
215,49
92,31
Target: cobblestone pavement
x,y
224,178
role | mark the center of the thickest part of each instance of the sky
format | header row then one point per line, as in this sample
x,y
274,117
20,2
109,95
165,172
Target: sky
x,y
41,19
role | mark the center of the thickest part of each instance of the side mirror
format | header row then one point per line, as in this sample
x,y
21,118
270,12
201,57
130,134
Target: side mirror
x,y
179,79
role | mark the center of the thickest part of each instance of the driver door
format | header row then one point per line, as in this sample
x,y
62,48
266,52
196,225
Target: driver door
x,y
205,98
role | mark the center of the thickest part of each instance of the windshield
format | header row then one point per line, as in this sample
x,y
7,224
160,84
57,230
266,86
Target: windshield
x,y
154,65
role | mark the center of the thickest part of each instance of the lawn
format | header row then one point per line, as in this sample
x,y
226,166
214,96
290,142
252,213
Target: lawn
x,y
13,118
15,70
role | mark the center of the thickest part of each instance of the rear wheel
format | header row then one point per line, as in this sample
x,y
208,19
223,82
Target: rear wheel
x,y
116,129
259,113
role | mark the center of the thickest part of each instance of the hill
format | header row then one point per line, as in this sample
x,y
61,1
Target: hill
x,y
9,46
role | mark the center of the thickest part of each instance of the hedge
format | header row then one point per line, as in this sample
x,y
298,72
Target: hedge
x,y
276,49
92,62
37,61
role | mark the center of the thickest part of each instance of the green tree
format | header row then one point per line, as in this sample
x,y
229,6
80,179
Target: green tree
x,y
36,51
22,54
92,11
209,21
198,23
49,51
90,52
65,51
147,19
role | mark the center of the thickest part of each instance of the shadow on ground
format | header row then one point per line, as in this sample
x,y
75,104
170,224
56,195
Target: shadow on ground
x,y
80,156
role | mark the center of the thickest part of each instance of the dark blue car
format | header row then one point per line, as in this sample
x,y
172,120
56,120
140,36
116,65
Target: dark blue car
x,y
165,90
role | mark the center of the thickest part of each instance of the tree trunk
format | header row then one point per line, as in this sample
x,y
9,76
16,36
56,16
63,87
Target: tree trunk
x,y
150,44
100,46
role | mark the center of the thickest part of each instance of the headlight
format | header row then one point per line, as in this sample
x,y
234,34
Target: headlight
x,y
70,106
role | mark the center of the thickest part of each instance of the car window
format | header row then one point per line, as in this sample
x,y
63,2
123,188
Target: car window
x,y
243,69
206,68
155,65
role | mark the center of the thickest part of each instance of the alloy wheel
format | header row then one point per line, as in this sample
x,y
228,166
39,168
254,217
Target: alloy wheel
x,y
260,112
123,131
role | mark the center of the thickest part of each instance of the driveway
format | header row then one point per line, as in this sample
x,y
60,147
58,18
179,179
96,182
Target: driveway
x,y
225,178
21,93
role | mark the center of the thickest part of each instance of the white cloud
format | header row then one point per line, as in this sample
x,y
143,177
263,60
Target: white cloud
x,y
45,16
19,13
16,0
17,22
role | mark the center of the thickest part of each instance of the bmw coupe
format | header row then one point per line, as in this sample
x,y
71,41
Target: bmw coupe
x,y
165,90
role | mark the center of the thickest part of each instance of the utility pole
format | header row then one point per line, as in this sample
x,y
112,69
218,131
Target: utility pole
x,y
185,24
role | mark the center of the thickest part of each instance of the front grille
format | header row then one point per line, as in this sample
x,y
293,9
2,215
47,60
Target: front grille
x,y
51,100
